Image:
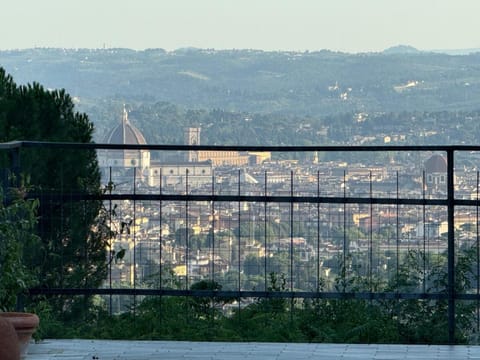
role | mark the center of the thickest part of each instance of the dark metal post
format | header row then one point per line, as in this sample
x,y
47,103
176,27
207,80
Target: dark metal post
x,y
478,254
370,239
397,261
212,238
160,238
160,241
344,265
318,231
451,245
134,244
291,231
14,157
187,233
239,237
110,241
265,245
424,217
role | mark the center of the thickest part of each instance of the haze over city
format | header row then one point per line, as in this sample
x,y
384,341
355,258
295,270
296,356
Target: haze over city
x,y
348,25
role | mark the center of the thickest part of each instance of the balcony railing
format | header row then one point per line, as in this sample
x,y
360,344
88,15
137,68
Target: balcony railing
x,y
375,223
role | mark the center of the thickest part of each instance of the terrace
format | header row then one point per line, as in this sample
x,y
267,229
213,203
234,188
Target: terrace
x,y
138,350
366,225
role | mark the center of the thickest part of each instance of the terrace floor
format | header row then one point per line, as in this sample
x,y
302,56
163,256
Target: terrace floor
x,y
171,350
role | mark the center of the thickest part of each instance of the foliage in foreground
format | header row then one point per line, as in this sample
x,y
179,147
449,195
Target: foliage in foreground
x,y
276,319
268,320
17,222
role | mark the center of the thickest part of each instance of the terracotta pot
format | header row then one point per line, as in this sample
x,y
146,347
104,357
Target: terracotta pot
x,y
9,349
25,325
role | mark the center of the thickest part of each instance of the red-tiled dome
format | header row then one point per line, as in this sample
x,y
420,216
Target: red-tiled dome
x,y
436,164
125,133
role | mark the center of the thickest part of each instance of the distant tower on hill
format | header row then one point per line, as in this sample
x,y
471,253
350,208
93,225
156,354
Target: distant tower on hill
x,y
192,137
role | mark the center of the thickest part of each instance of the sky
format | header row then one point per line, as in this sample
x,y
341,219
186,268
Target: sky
x,y
297,25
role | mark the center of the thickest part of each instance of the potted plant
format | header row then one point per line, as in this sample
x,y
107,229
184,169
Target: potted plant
x,y
24,324
17,222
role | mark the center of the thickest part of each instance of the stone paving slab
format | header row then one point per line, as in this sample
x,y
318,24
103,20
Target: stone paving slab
x,y
175,350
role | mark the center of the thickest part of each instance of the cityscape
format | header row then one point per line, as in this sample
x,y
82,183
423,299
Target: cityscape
x,y
224,180
238,242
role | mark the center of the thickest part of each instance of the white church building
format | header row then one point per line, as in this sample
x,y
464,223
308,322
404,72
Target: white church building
x,y
124,164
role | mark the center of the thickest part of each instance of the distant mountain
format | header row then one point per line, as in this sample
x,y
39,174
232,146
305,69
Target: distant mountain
x,y
401,49
252,97
407,49
297,83
458,51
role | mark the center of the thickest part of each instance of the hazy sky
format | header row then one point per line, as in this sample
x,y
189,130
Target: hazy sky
x,y
343,25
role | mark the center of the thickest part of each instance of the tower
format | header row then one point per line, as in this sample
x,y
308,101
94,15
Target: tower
x,y
192,137
315,157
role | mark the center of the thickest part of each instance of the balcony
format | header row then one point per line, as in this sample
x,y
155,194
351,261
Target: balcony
x,y
376,231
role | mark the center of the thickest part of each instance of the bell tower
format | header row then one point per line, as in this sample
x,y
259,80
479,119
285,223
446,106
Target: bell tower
x,y
192,137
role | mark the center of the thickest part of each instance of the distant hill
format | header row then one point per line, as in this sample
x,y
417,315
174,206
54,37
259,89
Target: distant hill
x,y
297,83
400,96
458,51
401,49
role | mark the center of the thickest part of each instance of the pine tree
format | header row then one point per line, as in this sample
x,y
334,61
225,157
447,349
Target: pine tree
x,y
72,251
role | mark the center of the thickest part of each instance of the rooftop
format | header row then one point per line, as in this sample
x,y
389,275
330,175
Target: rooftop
x,y
138,350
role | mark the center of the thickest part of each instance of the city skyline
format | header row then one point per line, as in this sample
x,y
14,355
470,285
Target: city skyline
x,y
348,25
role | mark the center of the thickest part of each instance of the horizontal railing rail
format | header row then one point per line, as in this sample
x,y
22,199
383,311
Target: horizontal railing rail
x,y
256,148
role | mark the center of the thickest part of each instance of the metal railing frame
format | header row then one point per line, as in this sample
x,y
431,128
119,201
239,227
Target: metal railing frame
x,y
450,202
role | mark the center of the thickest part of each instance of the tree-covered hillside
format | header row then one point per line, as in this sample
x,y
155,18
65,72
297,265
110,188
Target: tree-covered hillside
x,y
253,97
164,123
308,83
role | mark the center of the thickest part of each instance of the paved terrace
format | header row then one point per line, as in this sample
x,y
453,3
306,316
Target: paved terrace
x,y
172,350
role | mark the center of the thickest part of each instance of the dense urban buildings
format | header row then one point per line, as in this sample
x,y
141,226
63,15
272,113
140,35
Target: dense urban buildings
x,y
305,241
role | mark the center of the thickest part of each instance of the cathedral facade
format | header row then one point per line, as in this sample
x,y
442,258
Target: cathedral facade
x,y
194,169
123,165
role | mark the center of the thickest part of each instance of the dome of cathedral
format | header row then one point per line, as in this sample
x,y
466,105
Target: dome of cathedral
x,y
125,133
436,164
